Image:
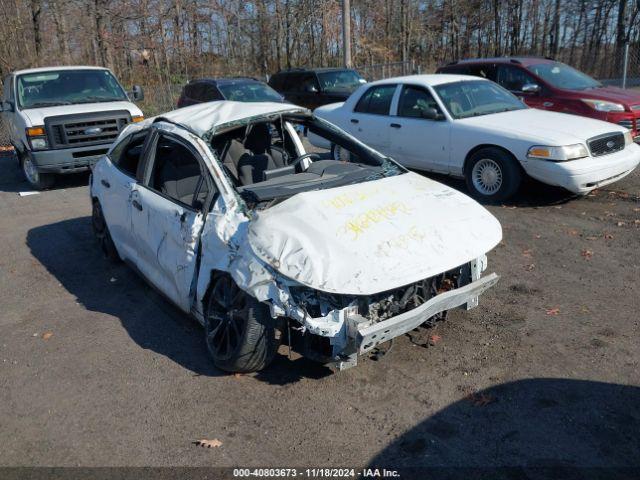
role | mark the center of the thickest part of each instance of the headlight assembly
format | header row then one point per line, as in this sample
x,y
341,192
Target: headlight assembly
x,y
604,106
558,154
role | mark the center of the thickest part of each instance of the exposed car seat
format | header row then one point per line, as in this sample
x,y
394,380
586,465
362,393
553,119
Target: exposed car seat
x,y
261,156
177,173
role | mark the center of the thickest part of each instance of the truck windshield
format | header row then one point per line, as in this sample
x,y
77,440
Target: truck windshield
x,y
340,80
67,87
563,76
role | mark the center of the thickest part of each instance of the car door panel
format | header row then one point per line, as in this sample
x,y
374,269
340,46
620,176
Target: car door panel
x,y
116,188
418,142
166,236
370,121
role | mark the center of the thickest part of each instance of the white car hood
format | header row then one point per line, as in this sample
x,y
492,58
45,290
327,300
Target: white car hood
x,y
552,128
372,237
37,115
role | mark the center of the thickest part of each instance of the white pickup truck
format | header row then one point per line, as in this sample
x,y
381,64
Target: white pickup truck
x,y
63,119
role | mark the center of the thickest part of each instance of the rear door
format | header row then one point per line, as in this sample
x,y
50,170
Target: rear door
x,y
371,121
168,214
418,142
117,181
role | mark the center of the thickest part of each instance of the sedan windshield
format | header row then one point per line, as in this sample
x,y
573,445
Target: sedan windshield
x,y
249,92
340,81
563,76
67,87
475,98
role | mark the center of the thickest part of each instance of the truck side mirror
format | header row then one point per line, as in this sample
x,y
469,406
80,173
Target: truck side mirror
x,y
7,106
530,88
312,89
137,94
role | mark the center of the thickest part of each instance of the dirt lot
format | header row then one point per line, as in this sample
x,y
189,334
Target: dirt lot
x,y
98,370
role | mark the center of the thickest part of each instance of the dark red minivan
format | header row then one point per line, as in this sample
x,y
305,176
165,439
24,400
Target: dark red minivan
x,y
550,85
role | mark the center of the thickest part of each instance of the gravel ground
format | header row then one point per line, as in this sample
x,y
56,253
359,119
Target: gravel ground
x,y
98,370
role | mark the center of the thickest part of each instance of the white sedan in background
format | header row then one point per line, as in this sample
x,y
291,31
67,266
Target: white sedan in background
x,y
472,128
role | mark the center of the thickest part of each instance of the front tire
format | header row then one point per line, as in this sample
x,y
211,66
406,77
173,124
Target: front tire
x,y
101,232
239,330
38,180
493,175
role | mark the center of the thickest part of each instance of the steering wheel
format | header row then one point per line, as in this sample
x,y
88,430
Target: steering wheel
x,y
298,160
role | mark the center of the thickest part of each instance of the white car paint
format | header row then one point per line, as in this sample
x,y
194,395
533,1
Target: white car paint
x,y
444,145
358,239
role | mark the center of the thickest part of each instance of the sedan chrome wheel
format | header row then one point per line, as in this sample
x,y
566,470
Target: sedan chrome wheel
x,y
487,176
226,319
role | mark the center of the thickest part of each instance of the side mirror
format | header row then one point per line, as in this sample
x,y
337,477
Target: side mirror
x,y
530,88
312,89
137,94
431,114
7,106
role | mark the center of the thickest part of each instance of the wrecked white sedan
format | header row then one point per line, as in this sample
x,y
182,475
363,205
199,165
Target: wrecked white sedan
x,y
223,210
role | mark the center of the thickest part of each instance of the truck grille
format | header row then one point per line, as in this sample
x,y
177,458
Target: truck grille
x,y
605,144
67,131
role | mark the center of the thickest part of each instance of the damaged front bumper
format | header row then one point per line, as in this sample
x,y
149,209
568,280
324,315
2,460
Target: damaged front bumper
x,y
368,336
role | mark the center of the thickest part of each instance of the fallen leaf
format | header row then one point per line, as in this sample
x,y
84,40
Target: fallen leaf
x,y
433,339
587,254
6,148
636,209
621,224
238,375
527,252
591,237
215,443
47,335
530,267
608,236
572,232
537,236
553,311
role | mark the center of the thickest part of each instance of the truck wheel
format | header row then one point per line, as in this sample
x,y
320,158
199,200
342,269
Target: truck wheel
x,y
38,180
238,329
492,175
101,232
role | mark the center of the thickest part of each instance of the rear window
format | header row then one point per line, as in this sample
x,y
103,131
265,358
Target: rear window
x,y
376,100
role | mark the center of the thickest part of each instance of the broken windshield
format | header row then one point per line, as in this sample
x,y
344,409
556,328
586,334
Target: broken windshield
x,y
264,162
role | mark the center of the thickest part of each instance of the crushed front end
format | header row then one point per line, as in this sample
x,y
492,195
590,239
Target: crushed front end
x,y
338,328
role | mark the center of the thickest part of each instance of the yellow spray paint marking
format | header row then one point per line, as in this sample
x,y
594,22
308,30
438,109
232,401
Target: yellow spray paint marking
x,y
346,199
401,242
361,223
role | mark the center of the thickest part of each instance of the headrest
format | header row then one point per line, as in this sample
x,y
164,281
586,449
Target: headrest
x,y
259,139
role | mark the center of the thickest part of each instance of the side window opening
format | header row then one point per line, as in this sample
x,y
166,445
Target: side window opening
x,y
513,78
414,101
377,100
127,154
177,173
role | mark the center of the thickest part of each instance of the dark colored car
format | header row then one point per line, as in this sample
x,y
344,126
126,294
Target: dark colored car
x,y
237,89
316,87
550,85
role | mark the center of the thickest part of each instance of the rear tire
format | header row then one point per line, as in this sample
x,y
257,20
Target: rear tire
x,y
239,330
492,175
101,232
38,180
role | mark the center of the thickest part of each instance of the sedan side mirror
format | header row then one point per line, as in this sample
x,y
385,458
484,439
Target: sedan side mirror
x,y
431,113
137,94
530,88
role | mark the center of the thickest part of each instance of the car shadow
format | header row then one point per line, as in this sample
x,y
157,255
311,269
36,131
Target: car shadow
x,y
12,180
531,193
534,428
68,251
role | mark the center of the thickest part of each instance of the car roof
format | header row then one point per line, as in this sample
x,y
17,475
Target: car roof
x,y
428,79
203,119
314,70
224,80
520,60
49,69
